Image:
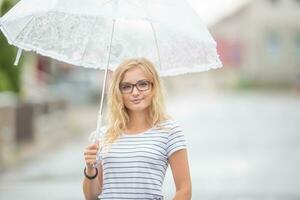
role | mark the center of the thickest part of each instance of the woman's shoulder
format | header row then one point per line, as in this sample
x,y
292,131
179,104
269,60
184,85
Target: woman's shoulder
x,y
169,123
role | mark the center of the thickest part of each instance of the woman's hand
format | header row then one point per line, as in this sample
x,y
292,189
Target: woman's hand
x,y
90,155
92,187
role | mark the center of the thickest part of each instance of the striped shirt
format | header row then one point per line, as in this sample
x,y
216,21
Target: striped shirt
x,y
135,165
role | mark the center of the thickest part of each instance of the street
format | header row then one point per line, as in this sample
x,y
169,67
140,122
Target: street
x,y
241,146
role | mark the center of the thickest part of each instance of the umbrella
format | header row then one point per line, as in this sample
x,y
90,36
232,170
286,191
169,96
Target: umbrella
x,y
101,33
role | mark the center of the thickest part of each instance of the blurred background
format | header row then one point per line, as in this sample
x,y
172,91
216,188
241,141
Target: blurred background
x,y
241,122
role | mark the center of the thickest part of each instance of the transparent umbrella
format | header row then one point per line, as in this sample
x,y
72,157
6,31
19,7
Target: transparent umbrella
x,y
101,33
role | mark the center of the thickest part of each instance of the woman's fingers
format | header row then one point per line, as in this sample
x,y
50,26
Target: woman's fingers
x,y
90,161
94,146
90,157
90,154
91,149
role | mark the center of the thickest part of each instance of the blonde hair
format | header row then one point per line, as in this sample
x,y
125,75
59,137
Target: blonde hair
x,y
117,116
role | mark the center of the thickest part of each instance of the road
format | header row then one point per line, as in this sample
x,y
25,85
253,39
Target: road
x,y
242,146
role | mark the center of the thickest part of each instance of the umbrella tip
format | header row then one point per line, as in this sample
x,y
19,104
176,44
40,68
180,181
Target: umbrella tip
x,y
16,63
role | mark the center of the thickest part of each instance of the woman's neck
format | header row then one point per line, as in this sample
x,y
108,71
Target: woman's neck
x,y
138,121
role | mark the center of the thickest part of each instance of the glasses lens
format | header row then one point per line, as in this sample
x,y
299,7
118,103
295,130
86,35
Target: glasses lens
x,y
126,88
143,85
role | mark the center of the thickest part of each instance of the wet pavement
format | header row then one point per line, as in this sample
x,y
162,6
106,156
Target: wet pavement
x,y
242,146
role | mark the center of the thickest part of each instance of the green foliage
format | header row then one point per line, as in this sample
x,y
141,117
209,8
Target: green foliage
x,y
9,74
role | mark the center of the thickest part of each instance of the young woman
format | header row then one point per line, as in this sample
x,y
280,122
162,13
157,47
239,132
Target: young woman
x,y
141,140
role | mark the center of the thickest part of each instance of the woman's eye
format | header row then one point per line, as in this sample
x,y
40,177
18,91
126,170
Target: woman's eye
x,y
124,87
143,84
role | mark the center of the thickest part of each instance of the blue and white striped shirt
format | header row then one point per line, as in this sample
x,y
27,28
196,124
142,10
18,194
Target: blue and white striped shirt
x,y
135,165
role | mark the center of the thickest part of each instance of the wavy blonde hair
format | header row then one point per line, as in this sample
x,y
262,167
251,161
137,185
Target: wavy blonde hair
x,y
117,115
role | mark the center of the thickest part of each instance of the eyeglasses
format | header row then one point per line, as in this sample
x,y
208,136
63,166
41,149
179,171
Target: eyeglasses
x,y
141,85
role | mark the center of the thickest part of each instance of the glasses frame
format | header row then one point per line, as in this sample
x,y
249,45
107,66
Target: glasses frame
x,y
136,85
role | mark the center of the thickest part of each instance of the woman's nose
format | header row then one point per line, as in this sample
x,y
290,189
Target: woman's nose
x,y
135,91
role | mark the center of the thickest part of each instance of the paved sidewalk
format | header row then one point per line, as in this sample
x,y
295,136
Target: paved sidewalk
x,y
242,146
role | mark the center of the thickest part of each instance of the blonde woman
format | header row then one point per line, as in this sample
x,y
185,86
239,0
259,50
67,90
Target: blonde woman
x,y
141,140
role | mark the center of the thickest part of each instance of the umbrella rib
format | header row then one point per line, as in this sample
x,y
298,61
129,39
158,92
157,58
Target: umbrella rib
x,y
90,35
156,43
23,29
15,41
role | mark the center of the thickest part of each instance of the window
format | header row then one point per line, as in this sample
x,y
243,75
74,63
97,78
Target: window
x,y
273,46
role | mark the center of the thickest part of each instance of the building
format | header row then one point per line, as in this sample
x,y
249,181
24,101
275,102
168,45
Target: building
x,y
261,41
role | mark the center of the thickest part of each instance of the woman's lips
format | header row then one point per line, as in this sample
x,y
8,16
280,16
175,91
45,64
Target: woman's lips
x,y
136,101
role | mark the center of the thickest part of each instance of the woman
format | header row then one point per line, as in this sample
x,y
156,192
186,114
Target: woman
x,y
140,141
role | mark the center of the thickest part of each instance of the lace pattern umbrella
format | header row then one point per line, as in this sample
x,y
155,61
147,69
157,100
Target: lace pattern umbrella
x,y
101,33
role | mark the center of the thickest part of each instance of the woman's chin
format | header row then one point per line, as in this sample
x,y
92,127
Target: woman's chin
x,y
138,107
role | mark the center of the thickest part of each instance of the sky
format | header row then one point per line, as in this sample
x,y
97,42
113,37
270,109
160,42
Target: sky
x,y
210,11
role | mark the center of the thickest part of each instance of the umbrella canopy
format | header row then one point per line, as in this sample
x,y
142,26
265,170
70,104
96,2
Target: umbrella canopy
x,y
79,32
102,33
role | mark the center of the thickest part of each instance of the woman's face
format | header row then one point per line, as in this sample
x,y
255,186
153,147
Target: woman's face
x,y
138,97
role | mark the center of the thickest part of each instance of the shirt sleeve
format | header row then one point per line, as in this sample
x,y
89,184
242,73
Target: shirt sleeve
x,y
176,139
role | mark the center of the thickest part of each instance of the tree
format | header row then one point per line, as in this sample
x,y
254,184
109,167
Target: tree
x,y
9,74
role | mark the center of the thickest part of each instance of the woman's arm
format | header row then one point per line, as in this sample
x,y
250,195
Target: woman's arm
x,y
181,175
92,188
